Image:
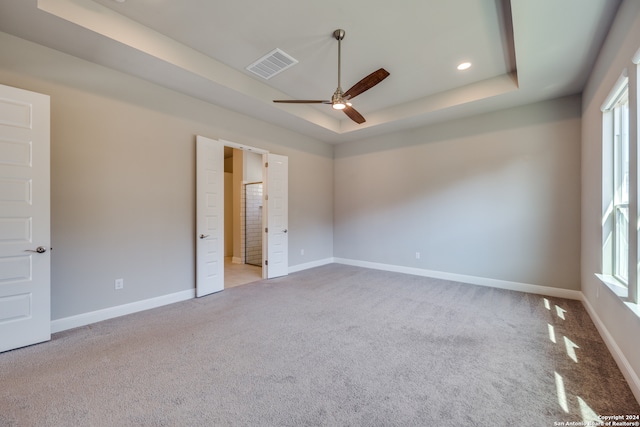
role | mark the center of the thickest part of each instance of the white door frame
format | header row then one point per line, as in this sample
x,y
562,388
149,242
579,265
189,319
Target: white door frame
x,y
265,210
265,215
264,154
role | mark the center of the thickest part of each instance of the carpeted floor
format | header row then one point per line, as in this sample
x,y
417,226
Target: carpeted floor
x,y
331,346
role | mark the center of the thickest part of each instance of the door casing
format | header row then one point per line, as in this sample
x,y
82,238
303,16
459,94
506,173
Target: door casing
x,y
265,216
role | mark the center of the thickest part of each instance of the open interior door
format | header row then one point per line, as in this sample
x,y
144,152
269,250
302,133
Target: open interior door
x,y
25,259
277,216
209,216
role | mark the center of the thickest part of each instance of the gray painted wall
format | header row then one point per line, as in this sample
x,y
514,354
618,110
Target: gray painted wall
x,y
621,45
493,196
123,179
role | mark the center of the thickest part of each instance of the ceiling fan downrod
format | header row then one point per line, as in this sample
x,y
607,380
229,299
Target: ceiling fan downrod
x,y
337,100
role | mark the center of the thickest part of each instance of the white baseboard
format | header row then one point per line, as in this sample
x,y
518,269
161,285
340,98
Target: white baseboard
x,y
312,264
474,280
625,367
83,319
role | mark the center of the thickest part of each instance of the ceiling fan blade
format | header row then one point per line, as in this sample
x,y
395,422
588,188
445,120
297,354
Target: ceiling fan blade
x,y
354,115
367,83
301,101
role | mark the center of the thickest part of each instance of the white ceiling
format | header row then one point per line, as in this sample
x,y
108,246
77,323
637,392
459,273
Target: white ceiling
x,y
522,51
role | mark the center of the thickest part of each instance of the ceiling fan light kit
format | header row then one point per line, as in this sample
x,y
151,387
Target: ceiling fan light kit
x,y
341,100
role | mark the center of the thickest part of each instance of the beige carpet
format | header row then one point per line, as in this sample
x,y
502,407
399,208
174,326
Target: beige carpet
x,y
331,346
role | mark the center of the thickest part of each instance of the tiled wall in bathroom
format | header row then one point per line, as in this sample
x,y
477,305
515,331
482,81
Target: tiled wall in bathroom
x,y
253,223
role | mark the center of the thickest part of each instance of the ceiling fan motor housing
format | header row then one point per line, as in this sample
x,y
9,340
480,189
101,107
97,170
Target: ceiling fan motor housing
x,y
337,100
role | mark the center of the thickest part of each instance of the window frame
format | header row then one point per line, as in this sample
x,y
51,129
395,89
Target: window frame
x,y
611,200
619,114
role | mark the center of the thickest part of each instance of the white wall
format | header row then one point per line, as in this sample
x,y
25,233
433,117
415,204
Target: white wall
x,y
123,179
252,167
616,319
494,196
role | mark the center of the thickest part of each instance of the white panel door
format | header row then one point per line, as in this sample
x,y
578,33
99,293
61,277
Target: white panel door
x,y
25,260
277,215
209,216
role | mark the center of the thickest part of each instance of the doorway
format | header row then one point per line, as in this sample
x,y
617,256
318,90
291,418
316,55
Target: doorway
x,y
210,206
243,201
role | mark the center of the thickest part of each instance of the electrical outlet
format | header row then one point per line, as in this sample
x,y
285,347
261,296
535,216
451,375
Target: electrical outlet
x,y
119,284
417,255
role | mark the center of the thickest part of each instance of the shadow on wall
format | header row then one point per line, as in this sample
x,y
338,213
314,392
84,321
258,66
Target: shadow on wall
x,y
569,107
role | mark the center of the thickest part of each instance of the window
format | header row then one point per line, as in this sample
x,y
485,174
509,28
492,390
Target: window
x,y
621,188
616,183
620,116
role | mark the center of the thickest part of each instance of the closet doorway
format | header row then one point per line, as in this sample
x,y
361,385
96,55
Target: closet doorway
x,y
243,222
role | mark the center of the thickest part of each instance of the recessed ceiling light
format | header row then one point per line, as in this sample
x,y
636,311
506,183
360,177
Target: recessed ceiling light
x,y
464,66
120,1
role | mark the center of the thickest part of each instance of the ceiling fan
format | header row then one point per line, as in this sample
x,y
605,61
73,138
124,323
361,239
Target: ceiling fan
x,y
341,100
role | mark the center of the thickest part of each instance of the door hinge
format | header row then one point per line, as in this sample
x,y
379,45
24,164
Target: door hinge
x,y
266,229
266,262
266,197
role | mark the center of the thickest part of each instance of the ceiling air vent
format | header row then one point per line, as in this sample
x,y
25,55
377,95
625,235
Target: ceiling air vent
x,y
272,63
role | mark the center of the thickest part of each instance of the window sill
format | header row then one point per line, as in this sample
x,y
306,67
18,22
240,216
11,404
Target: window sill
x,y
615,285
619,290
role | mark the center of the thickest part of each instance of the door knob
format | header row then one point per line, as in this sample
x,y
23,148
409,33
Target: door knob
x,y
39,250
285,230
204,236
